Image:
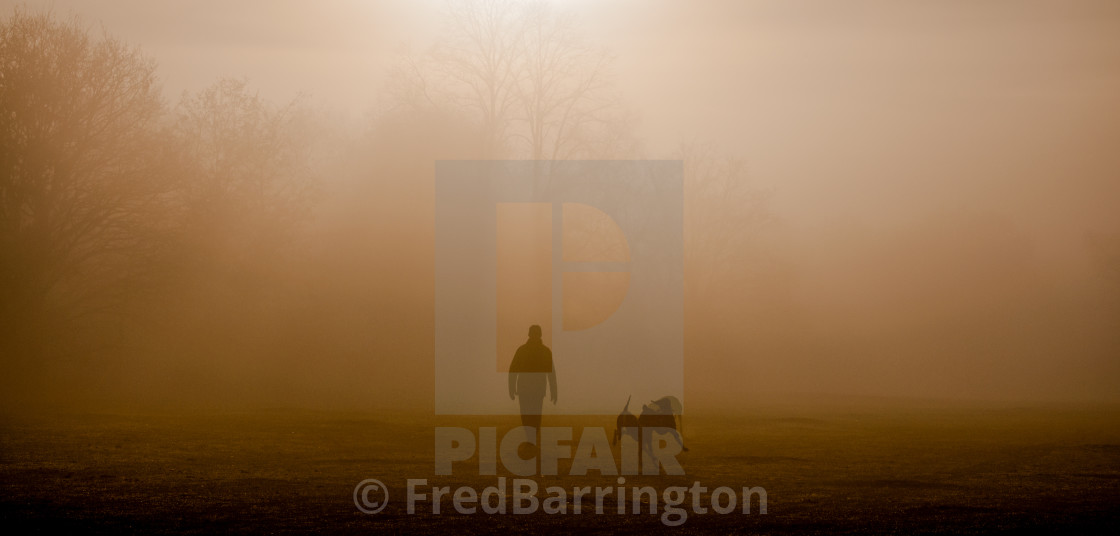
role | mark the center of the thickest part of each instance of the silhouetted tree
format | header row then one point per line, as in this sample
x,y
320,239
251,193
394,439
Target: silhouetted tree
x,y
565,98
246,191
724,213
249,174
533,83
478,61
82,182
729,264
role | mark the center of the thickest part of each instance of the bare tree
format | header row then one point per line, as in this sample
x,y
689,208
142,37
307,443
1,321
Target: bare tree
x,y
533,83
245,183
725,216
82,186
563,89
248,167
476,64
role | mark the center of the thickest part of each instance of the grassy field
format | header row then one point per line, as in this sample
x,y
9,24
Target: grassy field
x,y
869,471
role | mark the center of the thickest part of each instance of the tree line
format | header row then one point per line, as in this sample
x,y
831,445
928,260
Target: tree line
x,y
135,226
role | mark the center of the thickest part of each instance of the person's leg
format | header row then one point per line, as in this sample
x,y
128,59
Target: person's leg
x,y
525,417
531,411
531,419
530,407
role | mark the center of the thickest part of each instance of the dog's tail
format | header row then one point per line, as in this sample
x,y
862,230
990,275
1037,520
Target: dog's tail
x,y
626,408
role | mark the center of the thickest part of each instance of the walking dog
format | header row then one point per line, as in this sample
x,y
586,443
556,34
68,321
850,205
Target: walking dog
x,y
661,414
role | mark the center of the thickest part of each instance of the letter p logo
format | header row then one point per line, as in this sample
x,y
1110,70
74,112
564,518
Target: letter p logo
x,y
590,251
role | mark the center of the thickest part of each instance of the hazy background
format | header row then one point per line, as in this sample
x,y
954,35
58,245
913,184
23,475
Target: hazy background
x,y
904,199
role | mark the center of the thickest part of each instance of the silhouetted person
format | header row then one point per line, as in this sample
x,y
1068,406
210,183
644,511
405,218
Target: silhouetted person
x,y
531,365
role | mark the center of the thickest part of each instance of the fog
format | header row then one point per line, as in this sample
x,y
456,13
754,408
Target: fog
x,y
882,200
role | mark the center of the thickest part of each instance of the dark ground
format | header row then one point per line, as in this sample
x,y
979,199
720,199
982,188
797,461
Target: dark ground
x,y
944,471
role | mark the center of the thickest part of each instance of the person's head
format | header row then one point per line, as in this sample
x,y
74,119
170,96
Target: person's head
x,y
534,332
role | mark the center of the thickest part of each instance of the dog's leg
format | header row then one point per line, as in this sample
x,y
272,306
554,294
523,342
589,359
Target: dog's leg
x,y
647,443
679,440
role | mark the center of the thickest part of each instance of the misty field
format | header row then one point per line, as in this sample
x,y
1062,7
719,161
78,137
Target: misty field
x,y
902,471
